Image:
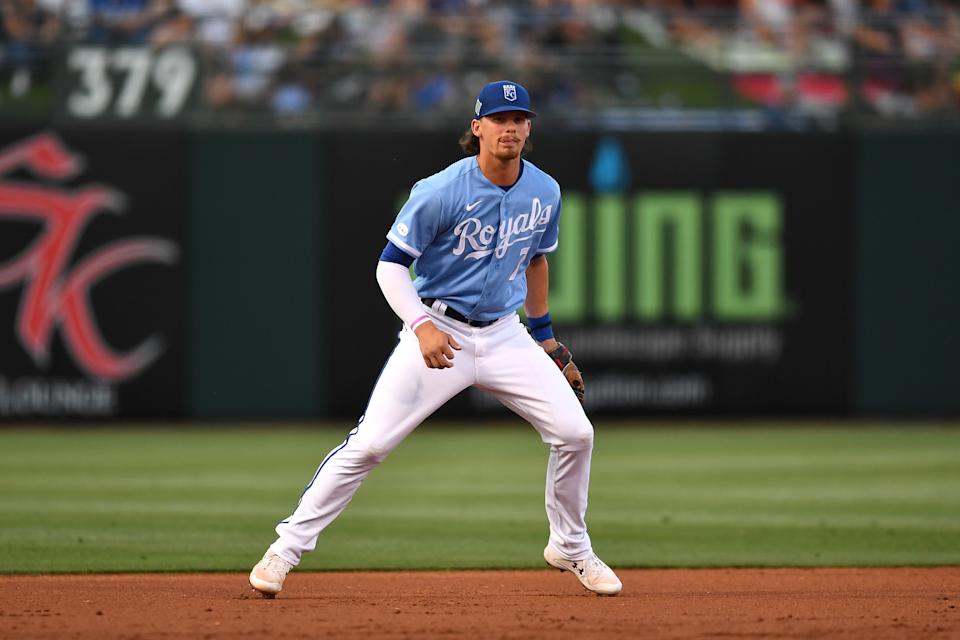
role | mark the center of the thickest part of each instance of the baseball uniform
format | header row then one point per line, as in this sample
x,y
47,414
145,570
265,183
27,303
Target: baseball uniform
x,y
472,242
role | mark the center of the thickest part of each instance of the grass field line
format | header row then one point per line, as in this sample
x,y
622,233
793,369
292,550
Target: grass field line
x,y
763,461
124,510
73,449
926,494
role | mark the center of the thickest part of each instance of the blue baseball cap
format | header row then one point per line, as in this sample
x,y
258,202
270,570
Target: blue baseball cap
x,y
502,95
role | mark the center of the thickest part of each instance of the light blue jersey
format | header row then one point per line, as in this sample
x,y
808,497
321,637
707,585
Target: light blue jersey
x,y
473,241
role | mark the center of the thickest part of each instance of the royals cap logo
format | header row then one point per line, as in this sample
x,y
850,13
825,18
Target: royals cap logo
x,y
502,95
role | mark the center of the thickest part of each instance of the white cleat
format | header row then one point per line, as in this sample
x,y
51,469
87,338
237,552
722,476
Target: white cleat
x,y
591,571
268,575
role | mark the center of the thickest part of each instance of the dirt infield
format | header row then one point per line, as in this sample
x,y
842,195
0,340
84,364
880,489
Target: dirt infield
x,y
705,603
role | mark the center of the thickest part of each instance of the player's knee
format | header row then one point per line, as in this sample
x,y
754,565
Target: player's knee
x,y
577,435
584,438
374,454
369,454
363,456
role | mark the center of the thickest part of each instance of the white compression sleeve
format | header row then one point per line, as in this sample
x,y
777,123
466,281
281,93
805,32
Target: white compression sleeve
x,y
394,281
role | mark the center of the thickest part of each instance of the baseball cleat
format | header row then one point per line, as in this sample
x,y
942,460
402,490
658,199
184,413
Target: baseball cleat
x,y
591,571
268,575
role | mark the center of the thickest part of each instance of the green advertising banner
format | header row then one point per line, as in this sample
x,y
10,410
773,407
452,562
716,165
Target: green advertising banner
x,y
697,273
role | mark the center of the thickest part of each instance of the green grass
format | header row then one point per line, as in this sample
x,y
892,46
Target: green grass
x,y
80,499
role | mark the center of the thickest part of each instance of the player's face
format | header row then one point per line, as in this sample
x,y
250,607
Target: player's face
x,y
503,134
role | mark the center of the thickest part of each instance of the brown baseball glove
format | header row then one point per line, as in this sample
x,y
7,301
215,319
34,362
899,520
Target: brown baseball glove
x,y
564,359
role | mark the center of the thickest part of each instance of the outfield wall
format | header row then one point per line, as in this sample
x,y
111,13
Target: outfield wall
x,y
222,275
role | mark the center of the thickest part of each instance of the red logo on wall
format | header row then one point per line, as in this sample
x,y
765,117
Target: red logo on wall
x,y
54,296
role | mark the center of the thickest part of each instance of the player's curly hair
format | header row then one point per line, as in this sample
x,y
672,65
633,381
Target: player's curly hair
x,y
471,144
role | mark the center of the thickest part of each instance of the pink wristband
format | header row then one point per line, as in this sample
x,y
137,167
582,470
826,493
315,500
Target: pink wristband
x,y
419,321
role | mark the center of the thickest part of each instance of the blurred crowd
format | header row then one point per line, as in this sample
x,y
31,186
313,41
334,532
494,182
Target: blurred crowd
x,y
389,57
891,57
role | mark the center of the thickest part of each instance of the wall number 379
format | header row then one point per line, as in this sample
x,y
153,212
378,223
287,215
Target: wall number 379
x,y
123,82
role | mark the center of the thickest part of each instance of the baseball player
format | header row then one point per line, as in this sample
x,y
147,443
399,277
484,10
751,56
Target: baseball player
x,y
479,232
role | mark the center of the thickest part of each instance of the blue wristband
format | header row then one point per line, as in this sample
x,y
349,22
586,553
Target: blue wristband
x,y
541,328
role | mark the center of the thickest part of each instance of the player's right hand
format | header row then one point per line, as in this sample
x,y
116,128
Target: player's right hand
x,y
436,346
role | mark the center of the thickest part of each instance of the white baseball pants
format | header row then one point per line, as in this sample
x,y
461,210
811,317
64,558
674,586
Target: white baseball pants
x,y
501,358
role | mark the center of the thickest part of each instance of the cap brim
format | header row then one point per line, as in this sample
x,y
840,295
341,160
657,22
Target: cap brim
x,y
533,114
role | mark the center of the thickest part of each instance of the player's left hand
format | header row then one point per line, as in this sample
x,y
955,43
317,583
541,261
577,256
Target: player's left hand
x,y
562,357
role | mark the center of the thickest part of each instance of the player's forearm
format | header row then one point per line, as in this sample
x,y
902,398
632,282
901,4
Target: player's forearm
x,y
394,281
538,288
536,305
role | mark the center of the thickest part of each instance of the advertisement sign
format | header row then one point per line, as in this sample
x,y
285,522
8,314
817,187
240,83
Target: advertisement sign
x,y
92,274
697,273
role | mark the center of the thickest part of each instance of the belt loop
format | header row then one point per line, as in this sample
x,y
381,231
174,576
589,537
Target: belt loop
x,y
441,307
